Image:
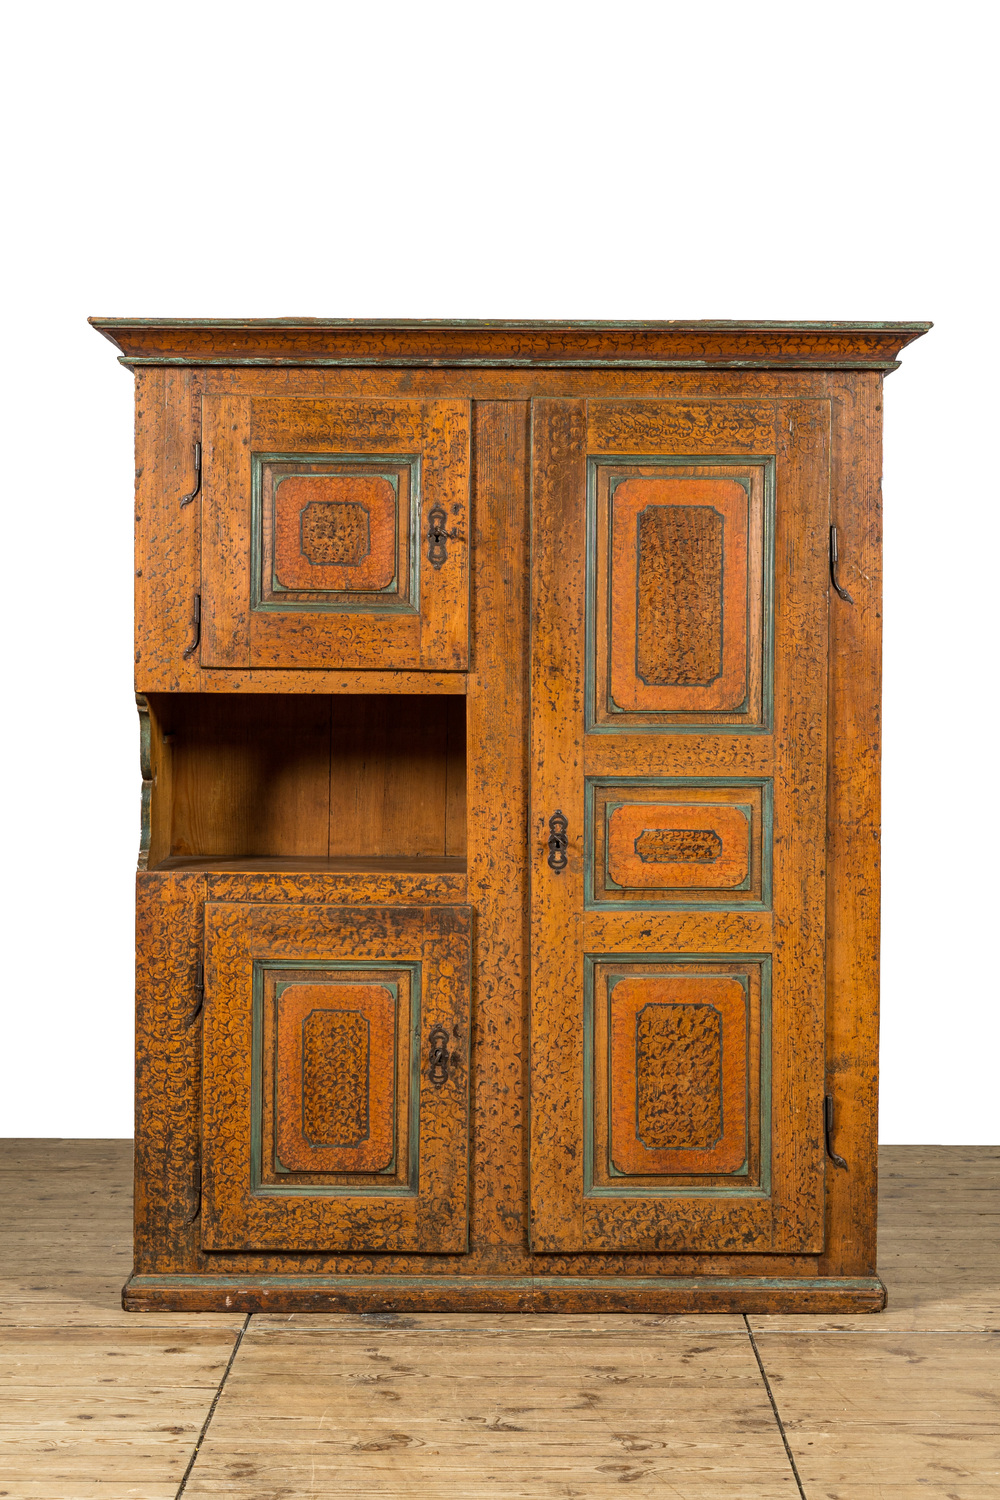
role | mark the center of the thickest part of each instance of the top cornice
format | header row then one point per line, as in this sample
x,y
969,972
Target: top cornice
x,y
508,342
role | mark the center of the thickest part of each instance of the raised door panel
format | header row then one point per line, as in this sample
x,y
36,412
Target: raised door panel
x,y
681,612
680,599
335,1078
677,1073
334,1085
335,533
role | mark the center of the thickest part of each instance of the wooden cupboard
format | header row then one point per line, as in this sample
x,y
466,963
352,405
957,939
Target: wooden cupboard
x,y
508,887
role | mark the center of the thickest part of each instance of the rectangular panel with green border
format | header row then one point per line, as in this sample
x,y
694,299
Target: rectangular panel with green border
x,y
734,1187
258,1185
762,836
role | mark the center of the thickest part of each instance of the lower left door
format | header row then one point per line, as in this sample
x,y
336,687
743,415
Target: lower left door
x,y
335,1078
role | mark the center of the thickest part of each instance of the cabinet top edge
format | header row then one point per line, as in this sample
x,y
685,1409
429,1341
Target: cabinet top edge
x,y
521,342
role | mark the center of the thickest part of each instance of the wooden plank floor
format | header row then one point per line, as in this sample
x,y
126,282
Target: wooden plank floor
x,y
95,1402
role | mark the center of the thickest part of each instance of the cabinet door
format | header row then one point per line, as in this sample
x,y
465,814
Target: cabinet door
x,y
680,600
334,533
335,1078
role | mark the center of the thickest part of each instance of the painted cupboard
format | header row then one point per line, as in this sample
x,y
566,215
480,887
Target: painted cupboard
x,y
508,882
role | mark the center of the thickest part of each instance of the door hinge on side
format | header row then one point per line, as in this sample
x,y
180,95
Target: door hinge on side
x,y
196,1190
838,1161
199,994
834,556
196,628
186,499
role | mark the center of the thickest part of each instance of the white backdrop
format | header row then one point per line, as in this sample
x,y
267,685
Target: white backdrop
x,y
558,158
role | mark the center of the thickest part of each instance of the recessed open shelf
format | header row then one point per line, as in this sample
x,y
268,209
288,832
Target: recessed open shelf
x,y
354,783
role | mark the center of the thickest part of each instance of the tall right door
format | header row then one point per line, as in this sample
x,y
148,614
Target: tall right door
x,y
678,824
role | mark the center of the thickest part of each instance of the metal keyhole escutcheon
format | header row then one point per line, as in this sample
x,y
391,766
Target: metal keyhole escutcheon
x,y
437,1069
437,537
558,842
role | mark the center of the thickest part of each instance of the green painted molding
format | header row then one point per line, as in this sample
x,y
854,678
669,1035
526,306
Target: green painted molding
x,y
593,902
733,1292
108,326
262,1189
394,602
657,962
694,721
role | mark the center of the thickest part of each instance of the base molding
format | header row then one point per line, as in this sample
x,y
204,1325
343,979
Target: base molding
x,y
528,1294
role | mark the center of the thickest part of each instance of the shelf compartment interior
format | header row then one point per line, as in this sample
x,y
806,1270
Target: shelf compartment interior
x,y
342,782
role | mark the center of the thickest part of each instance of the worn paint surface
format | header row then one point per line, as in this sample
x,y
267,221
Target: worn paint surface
x,y
706,407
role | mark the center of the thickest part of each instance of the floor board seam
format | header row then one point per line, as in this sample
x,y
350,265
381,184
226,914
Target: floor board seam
x,y
211,1410
774,1407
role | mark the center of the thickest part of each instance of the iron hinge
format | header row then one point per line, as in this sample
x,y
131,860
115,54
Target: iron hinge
x,y
838,1161
833,567
196,1190
196,628
199,994
186,500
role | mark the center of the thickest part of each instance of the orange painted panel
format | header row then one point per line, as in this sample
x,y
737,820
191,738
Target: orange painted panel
x,y
679,585
335,1077
678,1066
334,532
675,844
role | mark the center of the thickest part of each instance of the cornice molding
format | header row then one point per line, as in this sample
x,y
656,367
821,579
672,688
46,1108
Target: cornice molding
x,y
508,343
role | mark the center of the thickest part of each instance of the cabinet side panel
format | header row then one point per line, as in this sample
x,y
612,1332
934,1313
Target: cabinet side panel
x,y
166,532
854,814
168,1071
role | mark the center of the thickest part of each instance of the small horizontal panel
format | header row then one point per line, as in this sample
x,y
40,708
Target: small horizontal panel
x,y
678,1073
666,846
334,1076
679,593
300,425
681,842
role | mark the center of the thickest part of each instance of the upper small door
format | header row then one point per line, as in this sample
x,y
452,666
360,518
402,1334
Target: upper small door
x,y
335,533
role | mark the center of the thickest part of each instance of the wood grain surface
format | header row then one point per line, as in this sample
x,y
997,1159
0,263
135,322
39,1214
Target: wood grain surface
x,y
248,816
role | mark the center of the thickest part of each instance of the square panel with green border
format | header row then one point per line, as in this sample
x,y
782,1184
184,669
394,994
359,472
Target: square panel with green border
x,y
379,574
